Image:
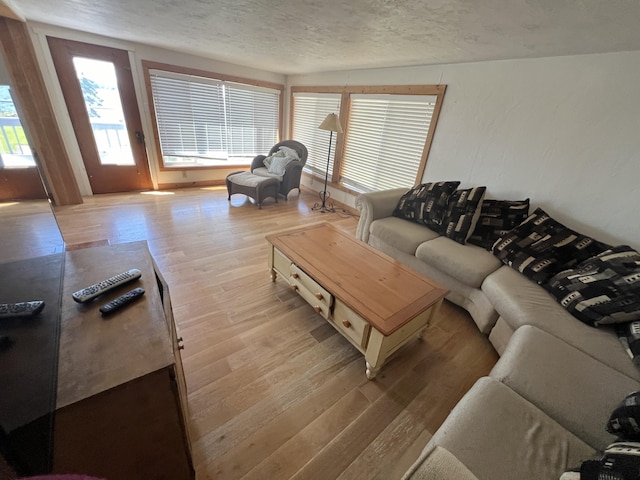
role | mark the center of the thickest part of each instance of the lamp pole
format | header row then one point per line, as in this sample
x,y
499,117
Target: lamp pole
x,y
331,123
324,193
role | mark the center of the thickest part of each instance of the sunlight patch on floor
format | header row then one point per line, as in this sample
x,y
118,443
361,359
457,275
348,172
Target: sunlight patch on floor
x,y
157,192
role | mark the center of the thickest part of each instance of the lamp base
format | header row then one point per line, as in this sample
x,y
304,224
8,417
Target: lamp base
x,y
324,207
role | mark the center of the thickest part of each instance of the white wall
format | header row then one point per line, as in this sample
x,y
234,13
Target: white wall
x,y
137,53
563,131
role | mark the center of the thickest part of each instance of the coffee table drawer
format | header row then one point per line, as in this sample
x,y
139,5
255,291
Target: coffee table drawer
x,y
305,282
350,324
280,262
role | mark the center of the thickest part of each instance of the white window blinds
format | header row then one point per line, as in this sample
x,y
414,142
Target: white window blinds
x,y
309,110
385,140
200,118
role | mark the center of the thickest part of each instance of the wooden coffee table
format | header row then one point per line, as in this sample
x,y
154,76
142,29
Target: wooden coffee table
x,y
374,301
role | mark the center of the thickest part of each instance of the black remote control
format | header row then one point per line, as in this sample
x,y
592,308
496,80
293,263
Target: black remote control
x,y
21,309
92,291
121,301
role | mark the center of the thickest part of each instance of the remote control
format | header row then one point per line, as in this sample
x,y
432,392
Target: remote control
x,y
121,301
88,293
21,309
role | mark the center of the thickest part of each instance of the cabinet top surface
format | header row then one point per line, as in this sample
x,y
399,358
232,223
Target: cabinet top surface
x,y
380,289
96,352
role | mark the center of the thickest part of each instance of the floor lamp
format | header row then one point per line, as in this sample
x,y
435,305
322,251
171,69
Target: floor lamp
x,y
332,124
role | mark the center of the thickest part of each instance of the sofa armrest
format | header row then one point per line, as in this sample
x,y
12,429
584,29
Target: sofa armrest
x,y
375,205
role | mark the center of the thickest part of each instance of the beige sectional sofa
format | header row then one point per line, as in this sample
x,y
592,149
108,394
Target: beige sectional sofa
x,y
545,405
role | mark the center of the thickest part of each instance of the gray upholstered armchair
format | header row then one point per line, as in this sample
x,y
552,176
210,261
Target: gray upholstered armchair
x,y
290,178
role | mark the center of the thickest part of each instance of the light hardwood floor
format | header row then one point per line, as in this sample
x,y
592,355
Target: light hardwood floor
x,y
274,391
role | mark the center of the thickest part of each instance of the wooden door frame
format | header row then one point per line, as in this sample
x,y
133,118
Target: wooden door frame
x,y
38,116
62,52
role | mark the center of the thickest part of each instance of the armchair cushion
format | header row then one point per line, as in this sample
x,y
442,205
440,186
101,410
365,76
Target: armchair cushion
x,y
264,172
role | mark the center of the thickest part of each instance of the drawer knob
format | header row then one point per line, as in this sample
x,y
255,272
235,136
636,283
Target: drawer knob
x,y
317,309
319,296
294,287
346,323
295,275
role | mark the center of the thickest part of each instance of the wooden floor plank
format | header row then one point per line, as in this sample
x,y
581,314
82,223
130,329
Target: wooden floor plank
x,y
274,391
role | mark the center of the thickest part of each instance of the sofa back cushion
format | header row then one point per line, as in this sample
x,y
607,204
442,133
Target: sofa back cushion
x,y
540,247
497,217
426,203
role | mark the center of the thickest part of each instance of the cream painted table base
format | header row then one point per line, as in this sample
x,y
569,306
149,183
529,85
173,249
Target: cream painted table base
x,y
375,302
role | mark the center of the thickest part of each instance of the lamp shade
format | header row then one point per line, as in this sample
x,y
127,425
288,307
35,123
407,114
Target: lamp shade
x,y
331,123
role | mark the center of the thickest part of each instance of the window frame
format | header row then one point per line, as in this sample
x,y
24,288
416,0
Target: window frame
x,y
345,106
150,65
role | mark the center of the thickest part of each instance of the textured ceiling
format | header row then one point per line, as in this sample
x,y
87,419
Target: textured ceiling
x,y
303,36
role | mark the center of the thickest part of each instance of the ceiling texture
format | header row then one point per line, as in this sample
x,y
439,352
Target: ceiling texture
x,y
305,36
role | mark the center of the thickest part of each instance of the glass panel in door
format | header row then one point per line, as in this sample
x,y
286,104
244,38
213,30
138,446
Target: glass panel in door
x,y
99,86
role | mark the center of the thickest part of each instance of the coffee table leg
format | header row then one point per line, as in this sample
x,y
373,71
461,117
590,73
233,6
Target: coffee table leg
x,y
421,334
371,372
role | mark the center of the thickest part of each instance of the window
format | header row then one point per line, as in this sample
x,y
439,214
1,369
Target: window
x,y
309,110
203,122
388,132
386,139
14,147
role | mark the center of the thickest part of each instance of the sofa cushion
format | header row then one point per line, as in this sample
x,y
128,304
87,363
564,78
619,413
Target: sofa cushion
x,y
426,203
540,247
467,263
401,234
498,434
463,211
601,290
573,388
438,464
497,217
522,302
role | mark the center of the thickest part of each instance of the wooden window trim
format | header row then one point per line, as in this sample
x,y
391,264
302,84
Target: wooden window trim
x,y
148,65
345,107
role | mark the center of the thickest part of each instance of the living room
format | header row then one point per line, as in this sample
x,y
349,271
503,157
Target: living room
x,y
560,129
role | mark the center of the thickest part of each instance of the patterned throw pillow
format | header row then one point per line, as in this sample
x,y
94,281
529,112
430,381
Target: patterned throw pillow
x,y
540,247
426,203
463,211
625,419
497,217
602,290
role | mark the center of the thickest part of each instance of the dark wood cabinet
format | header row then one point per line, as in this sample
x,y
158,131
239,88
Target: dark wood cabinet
x,y
121,409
